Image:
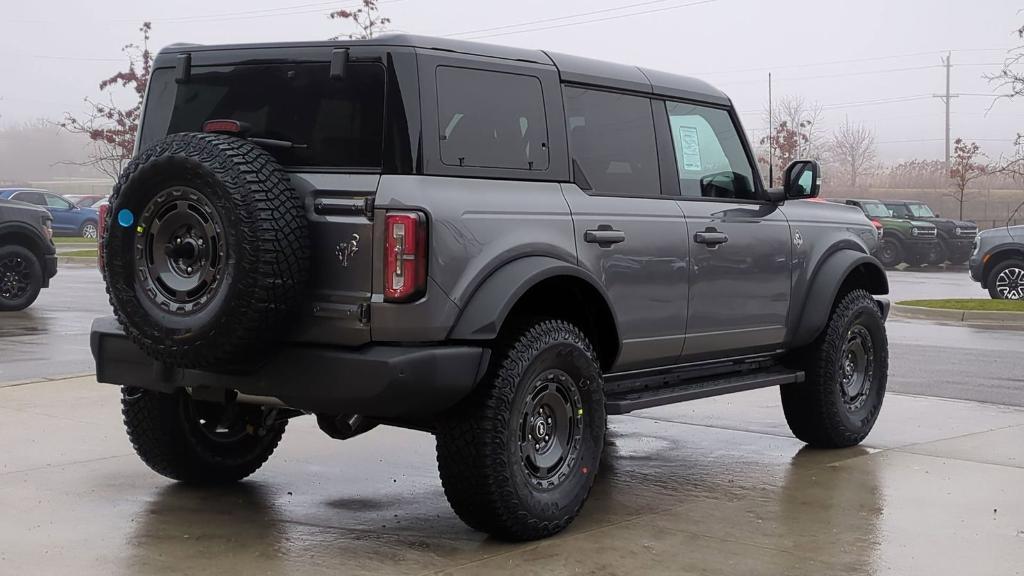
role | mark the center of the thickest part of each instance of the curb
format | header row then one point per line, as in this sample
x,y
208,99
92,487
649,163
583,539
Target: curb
x,y
974,317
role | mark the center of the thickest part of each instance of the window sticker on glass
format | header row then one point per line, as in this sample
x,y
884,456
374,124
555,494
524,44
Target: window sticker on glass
x,y
689,147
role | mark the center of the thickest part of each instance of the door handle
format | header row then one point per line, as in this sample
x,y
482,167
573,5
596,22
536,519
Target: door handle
x,y
604,237
711,238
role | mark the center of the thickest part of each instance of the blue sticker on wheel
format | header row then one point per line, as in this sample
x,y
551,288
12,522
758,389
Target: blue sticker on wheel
x,y
125,218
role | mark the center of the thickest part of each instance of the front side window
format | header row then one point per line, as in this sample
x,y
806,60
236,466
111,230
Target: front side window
x,y
57,202
710,156
611,137
491,119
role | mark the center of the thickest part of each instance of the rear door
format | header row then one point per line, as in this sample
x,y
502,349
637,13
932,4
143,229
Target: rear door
x,y
740,245
628,234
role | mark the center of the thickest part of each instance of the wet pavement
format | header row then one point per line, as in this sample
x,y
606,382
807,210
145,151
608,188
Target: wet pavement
x,y
716,486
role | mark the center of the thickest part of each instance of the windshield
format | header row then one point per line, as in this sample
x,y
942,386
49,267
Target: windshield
x,y
875,209
336,124
921,211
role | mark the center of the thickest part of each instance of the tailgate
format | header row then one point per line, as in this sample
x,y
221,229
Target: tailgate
x,y
340,212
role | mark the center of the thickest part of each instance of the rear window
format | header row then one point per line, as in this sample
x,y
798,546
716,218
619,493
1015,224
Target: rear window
x,y
334,123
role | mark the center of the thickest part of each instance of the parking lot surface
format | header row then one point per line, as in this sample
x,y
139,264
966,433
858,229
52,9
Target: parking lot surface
x,y
712,486
716,486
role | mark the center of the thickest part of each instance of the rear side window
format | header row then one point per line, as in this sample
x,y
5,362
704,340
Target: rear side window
x,y
30,198
491,119
333,123
611,137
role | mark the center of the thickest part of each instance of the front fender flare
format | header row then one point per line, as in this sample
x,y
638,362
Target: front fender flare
x,y
482,317
824,287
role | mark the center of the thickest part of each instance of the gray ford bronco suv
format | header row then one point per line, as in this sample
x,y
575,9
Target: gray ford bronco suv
x,y
497,246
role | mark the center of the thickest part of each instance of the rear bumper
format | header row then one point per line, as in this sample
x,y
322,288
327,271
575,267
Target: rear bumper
x,y
377,381
49,269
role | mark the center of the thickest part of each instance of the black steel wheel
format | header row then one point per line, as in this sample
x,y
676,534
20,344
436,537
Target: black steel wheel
x,y
846,370
21,278
518,457
206,254
1006,280
550,428
196,441
890,253
182,247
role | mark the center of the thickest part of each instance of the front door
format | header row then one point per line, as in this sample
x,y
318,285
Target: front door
x,y
740,245
628,236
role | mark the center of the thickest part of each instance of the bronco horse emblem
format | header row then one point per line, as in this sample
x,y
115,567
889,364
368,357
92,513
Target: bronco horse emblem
x,y
347,249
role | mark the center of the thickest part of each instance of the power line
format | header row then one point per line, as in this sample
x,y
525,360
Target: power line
x,y
546,20
592,21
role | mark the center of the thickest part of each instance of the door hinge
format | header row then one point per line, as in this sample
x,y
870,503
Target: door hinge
x,y
364,313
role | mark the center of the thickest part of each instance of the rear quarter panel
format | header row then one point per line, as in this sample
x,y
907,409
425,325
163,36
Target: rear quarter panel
x,y
475,227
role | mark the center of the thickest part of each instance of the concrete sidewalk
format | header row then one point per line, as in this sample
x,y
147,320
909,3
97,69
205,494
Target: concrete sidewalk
x,y
716,486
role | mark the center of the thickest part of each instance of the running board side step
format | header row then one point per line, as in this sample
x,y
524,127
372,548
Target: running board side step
x,y
695,389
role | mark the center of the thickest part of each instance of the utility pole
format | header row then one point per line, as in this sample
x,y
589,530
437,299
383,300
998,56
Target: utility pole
x,y
771,136
947,62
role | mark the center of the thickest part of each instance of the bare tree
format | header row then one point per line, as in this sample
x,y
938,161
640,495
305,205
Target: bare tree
x,y
110,127
964,169
852,149
793,132
367,19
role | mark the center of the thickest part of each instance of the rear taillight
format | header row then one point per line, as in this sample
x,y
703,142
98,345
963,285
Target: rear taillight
x,y
405,256
101,231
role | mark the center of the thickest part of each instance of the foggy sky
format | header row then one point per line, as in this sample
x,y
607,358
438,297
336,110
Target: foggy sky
x,y
54,52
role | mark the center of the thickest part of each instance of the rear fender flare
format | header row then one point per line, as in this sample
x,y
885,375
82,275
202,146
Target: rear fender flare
x,y
483,316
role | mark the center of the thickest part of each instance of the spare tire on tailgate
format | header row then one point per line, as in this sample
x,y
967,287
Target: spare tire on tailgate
x,y
206,253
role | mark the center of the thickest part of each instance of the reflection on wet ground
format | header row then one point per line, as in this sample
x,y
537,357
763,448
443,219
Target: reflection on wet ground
x,y
715,486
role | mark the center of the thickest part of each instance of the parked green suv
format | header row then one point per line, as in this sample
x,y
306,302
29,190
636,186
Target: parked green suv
x,y
904,239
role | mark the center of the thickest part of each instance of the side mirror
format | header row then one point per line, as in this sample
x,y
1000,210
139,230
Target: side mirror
x,y
937,215
801,179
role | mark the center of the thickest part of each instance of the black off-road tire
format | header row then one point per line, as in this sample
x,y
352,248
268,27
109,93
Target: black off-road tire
x,y
259,243
1012,268
170,440
21,278
890,252
939,254
485,475
818,410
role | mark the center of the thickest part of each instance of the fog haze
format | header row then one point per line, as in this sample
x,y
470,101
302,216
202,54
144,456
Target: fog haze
x,y
874,62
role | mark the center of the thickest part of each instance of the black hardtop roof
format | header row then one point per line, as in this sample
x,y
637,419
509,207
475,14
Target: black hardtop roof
x,y
575,69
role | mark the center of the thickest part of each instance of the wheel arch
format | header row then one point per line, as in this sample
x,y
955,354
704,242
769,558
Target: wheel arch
x,y
541,286
841,272
1002,254
23,235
